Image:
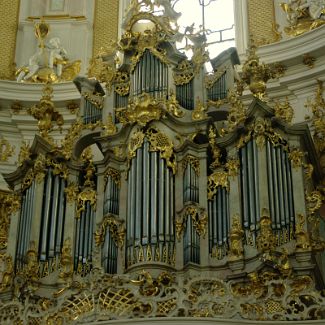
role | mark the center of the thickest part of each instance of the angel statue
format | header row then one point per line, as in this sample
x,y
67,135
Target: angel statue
x,y
50,62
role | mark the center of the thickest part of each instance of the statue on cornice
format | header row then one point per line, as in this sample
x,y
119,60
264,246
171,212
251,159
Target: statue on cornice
x,y
303,15
50,62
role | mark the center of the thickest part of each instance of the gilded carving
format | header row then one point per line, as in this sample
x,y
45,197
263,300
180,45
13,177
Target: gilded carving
x,y
296,156
172,106
71,192
284,111
95,99
219,178
24,153
116,228
199,112
6,150
183,73
46,113
160,142
9,203
256,74
266,240
6,272
88,194
317,106
302,236
109,127
122,83
115,175
66,262
233,167
193,162
237,112
214,148
142,110
236,236
199,218
314,200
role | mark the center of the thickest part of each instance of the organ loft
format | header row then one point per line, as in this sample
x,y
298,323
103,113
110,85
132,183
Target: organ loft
x,y
172,193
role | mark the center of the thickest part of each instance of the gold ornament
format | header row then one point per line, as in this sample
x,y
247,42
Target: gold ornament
x,y
219,178
199,112
236,236
284,111
296,156
198,216
116,228
266,240
6,150
46,113
302,237
109,127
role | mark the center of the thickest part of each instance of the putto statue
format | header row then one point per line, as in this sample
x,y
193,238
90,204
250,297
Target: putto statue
x,y
50,62
303,15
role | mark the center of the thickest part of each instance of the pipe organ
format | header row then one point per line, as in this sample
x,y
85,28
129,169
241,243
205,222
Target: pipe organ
x,y
171,197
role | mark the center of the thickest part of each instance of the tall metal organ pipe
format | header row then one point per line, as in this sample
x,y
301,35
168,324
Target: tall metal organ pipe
x,y
150,210
249,189
25,223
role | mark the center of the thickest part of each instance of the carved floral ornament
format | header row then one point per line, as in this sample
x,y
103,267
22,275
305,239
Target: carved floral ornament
x,y
158,142
116,228
263,295
193,162
145,108
9,203
199,218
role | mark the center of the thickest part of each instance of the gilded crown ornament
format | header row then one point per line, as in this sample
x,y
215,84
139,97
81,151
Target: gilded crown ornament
x,y
46,114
